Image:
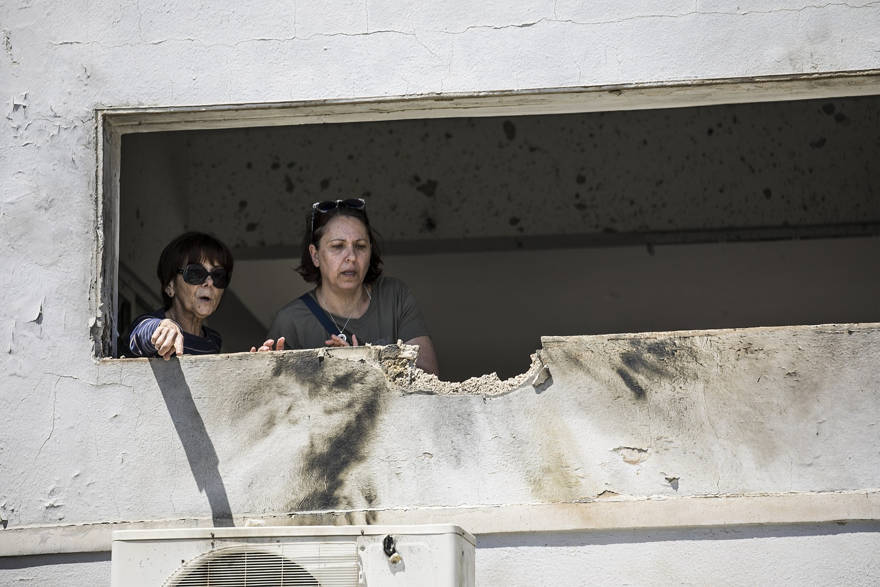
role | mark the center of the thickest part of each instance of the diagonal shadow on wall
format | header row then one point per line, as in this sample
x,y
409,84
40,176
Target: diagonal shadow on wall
x,y
190,427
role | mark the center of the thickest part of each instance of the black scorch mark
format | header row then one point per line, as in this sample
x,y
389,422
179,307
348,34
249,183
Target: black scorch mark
x,y
429,188
509,130
327,461
644,360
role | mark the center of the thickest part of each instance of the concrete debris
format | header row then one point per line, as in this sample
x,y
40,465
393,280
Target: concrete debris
x,y
537,374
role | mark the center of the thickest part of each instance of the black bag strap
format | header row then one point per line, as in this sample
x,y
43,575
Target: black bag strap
x,y
319,314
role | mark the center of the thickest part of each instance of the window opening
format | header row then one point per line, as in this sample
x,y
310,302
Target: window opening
x,y
508,228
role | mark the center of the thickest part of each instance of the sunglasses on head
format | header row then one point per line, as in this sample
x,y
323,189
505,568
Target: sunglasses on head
x,y
196,274
328,205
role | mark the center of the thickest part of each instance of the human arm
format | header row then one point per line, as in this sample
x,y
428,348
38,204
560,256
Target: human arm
x,y
413,329
151,337
427,357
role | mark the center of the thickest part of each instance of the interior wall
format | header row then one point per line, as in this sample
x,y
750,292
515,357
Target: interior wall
x,y
747,165
153,208
503,203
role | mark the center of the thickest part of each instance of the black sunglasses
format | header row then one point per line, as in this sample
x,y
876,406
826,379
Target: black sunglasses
x,y
196,274
328,205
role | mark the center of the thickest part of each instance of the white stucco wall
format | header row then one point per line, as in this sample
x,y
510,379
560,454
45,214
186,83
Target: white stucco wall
x,y
76,434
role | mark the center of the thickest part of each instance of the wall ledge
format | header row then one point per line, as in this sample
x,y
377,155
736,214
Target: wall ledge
x,y
612,513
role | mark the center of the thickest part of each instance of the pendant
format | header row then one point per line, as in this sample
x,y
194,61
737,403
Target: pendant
x,y
342,336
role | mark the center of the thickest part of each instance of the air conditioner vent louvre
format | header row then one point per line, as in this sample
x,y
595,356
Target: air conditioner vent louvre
x,y
326,564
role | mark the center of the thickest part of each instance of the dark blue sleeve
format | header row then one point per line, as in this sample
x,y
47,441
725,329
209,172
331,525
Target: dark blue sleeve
x,y
142,330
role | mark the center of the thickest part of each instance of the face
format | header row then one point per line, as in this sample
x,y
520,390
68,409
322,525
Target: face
x,y
343,253
196,301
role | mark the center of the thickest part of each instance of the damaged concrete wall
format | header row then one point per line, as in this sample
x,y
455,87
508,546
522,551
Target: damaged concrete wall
x,y
685,423
75,433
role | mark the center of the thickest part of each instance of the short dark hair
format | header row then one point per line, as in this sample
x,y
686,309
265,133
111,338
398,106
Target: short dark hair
x,y
190,247
307,268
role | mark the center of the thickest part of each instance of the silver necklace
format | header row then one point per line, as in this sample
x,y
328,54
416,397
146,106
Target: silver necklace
x,y
341,334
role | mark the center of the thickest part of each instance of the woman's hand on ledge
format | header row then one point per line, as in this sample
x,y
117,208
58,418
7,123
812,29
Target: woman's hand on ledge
x,y
167,339
336,341
270,345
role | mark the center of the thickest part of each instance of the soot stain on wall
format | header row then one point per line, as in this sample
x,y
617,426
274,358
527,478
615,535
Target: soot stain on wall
x,y
327,460
349,394
336,403
301,365
647,361
369,494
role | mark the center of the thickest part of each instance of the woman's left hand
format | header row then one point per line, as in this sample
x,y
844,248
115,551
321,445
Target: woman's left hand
x,y
269,346
336,341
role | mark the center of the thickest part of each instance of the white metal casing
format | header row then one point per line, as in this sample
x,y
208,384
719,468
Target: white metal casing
x,y
430,555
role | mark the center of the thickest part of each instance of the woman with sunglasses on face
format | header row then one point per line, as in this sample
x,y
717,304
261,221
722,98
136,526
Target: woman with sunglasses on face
x,y
193,271
353,302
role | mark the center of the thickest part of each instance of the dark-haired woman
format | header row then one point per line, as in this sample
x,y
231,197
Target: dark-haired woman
x,y
193,271
353,302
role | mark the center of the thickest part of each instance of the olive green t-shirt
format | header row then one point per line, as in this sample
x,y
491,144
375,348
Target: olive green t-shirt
x,y
391,316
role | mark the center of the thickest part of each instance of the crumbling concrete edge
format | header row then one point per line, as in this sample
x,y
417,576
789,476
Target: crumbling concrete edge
x,y
397,362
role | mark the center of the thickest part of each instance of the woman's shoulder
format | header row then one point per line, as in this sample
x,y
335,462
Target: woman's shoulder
x,y
294,308
388,283
154,315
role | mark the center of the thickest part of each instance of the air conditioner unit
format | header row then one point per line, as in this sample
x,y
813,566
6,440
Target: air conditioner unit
x,y
372,556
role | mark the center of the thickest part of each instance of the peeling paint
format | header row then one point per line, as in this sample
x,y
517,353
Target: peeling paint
x,y
7,46
632,455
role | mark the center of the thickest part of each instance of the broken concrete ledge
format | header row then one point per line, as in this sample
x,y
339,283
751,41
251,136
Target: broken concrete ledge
x,y
671,421
397,361
617,513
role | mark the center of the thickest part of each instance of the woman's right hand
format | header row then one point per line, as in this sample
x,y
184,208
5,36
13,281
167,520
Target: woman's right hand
x,y
267,346
336,341
167,339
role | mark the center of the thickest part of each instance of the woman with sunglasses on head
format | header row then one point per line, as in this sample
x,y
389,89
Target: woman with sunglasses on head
x,y
193,271
352,303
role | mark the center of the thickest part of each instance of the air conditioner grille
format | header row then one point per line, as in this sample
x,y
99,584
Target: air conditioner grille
x,y
326,564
